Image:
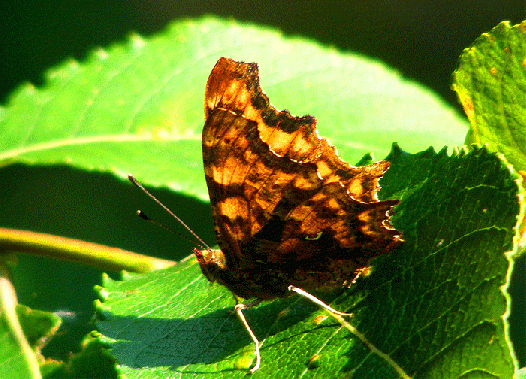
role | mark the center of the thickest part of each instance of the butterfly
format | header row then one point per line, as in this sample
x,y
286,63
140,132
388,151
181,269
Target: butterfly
x,y
290,215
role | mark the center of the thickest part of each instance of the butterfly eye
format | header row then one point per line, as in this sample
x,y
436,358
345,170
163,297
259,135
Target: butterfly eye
x,y
317,237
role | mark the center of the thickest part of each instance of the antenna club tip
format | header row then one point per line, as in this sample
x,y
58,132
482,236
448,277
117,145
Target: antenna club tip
x,y
142,215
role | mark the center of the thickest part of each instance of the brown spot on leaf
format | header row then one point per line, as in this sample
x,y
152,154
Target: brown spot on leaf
x,y
468,106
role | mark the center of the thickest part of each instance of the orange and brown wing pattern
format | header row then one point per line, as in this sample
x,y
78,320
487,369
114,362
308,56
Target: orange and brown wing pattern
x,y
279,193
251,153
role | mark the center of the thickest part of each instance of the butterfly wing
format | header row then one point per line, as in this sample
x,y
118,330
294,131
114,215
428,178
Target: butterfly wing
x,y
248,160
280,195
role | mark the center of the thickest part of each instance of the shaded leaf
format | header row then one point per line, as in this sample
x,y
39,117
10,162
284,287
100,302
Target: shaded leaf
x,y
433,308
38,325
93,361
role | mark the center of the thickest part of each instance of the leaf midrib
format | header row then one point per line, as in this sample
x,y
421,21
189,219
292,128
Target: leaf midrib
x,y
114,138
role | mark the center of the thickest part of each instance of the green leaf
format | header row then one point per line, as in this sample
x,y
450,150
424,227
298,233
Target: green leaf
x,y
491,85
38,326
93,361
138,106
434,308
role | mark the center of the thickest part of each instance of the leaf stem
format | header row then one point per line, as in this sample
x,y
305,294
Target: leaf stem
x,y
72,250
8,316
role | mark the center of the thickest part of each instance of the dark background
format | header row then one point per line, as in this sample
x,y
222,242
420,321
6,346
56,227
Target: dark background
x,y
422,39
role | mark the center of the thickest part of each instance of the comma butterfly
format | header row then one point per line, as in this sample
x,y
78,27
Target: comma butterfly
x,y
290,216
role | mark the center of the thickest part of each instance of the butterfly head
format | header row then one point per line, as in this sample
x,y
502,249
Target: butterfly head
x,y
212,263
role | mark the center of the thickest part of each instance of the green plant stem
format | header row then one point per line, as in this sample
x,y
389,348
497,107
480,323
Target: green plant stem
x,y
92,254
8,302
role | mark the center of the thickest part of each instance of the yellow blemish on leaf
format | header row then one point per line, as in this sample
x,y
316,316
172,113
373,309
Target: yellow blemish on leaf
x,y
314,361
319,319
468,106
522,26
244,362
493,71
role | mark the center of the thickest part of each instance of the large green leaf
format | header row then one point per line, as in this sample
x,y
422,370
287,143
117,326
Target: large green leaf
x,y
138,106
491,84
435,308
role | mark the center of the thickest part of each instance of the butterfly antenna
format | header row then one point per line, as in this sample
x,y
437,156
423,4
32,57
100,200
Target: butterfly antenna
x,y
144,217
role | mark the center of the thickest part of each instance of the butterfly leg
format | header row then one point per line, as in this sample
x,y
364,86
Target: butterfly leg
x,y
317,301
239,311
